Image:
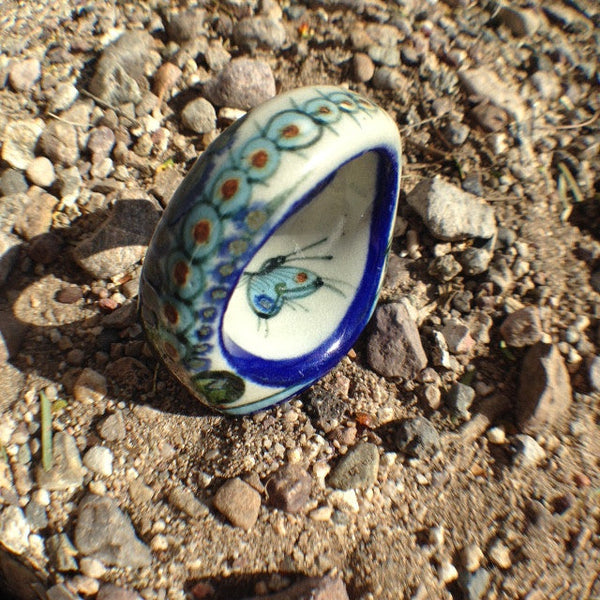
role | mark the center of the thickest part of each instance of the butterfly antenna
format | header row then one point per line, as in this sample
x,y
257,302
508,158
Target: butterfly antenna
x,y
334,289
306,247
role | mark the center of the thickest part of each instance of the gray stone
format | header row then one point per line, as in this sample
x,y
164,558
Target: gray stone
x,y
388,56
121,241
523,327
100,143
450,213
527,451
99,459
199,116
459,399
357,469
545,393
70,184
444,268
418,437
105,533
243,83
36,216
386,78
121,64
59,143
594,373
112,428
185,25
394,348
492,118
36,515
475,261
183,499
474,585
289,488
24,73
61,592
62,552
41,172
63,97
19,141
66,471
216,56
259,32
238,502
483,82
456,133
13,182
110,591
14,529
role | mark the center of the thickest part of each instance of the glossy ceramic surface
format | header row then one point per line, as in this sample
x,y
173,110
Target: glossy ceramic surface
x,y
267,262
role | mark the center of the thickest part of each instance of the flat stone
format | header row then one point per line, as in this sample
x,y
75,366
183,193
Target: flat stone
x,y
418,437
183,499
243,83
90,387
99,459
523,327
12,181
36,218
24,74
458,337
67,470
14,529
238,502
459,399
19,141
121,241
104,532
41,172
394,348
289,488
62,552
357,469
199,116
59,143
450,213
120,65
112,428
384,55
481,81
259,32
545,393
165,183
185,25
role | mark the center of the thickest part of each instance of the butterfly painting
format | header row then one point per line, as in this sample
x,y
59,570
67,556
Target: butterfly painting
x,y
278,282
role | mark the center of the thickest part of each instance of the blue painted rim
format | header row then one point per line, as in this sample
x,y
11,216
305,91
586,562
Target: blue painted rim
x,y
309,367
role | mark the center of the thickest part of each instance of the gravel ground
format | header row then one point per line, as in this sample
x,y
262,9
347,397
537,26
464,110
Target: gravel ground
x,y
454,453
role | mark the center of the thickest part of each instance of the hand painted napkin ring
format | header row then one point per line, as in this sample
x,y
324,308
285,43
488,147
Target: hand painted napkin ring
x,y
267,263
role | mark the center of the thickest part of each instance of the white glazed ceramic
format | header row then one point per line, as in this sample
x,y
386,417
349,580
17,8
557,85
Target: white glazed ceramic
x,y
267,262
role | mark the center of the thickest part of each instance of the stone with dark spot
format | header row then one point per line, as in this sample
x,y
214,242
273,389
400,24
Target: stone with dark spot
x,y
418,437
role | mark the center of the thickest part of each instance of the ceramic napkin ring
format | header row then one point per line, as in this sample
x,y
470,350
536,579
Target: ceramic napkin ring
x,y
267,263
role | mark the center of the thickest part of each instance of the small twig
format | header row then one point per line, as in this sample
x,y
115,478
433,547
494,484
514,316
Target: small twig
x,y
111,106
570,181
579,125
423,122
50,114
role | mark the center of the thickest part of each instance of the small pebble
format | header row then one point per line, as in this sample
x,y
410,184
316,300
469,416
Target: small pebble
x,y
99,460
447,572
344,500
90,387
199,116
496,435
472,556
238,502
41,172
24,73
499,554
